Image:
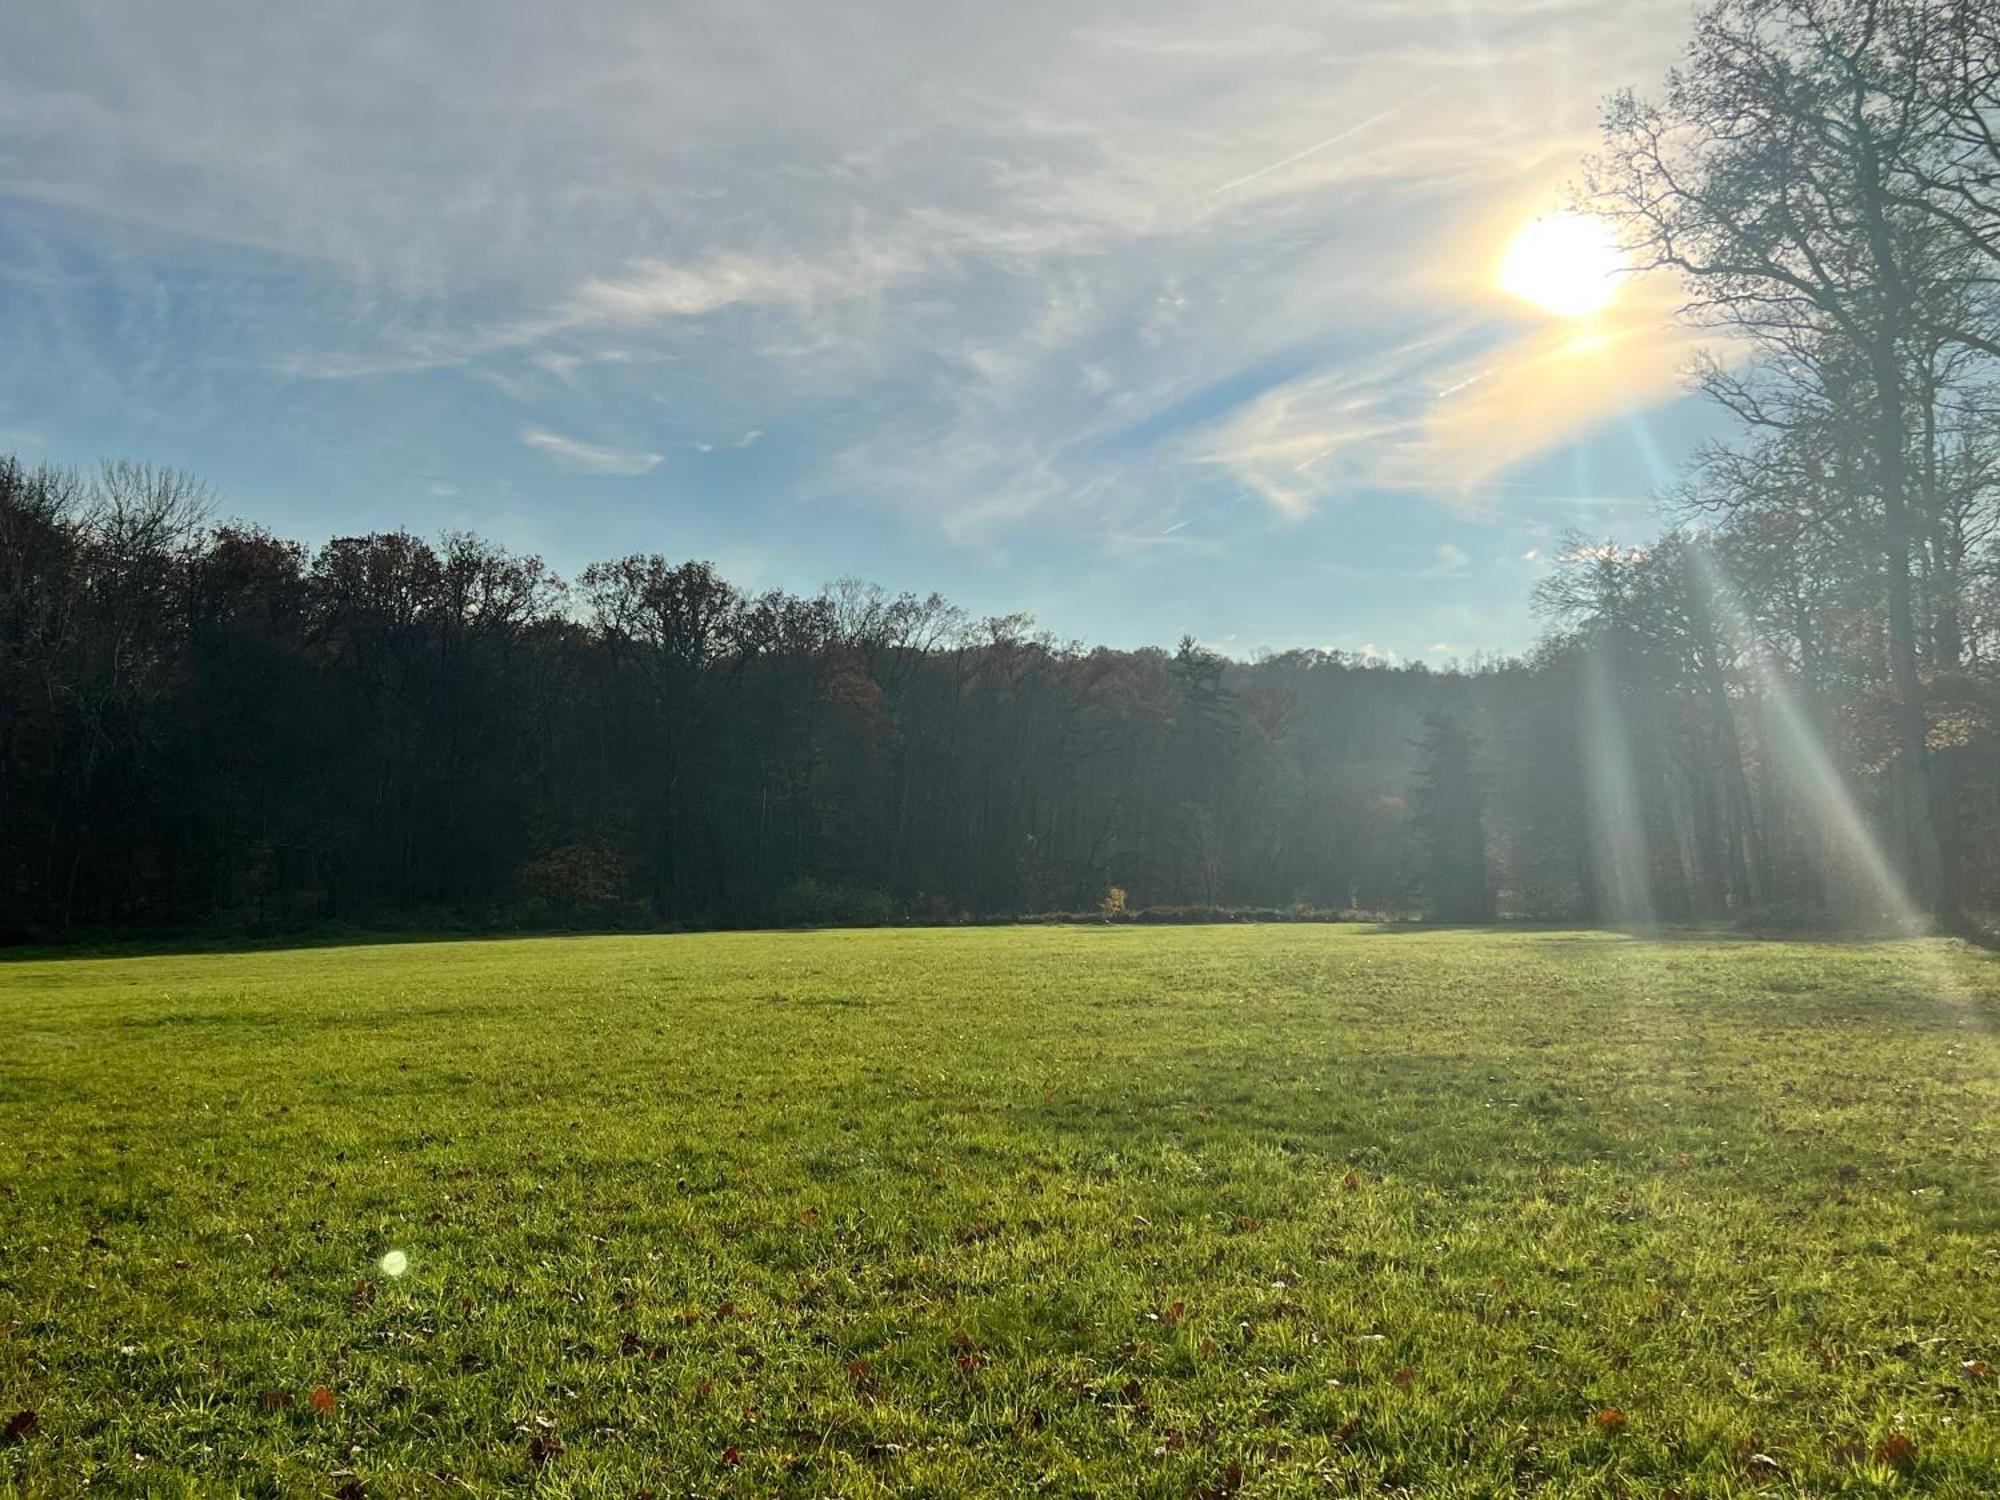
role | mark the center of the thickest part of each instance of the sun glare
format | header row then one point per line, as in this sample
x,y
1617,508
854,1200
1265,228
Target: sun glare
x,y
1566,264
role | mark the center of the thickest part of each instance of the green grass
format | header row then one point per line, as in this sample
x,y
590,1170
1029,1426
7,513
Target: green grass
x,y
1125,1211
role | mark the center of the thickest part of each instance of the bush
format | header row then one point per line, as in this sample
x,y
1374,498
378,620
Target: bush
x,y
814,903
574,885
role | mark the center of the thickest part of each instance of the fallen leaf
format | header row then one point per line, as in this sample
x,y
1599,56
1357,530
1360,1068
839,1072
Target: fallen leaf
x,y
1610,1419
730,1456
19,1426
322,1401
1978,1369
544,1447
1402,1379
1896,1451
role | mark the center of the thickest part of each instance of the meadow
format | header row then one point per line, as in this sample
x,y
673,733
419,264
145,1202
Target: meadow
x,y
1188,1212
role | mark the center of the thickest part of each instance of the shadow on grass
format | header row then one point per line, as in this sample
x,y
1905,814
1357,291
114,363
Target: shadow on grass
x,y
224,945
1584,933
108,946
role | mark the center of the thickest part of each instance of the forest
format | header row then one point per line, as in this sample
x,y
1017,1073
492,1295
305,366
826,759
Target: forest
x,y
1781,709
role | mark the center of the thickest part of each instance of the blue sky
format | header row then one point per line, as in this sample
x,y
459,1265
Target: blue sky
x,y
1148,319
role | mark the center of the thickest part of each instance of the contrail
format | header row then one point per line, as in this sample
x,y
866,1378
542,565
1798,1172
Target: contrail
x,y
1456,387
1332,140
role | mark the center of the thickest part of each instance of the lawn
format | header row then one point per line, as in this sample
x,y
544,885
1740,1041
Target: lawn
x,y
1125,1211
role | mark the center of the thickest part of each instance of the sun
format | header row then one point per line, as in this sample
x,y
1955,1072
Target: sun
x,y
1566,264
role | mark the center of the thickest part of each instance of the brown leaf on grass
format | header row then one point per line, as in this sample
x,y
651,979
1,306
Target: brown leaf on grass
x,y
731,1457
1174,1314
967,1363
1225,1484
322,1401
19,1426
1895,1451
1403,1379
1763,1466
1610,1419
351,1489
1977,1369
543,1448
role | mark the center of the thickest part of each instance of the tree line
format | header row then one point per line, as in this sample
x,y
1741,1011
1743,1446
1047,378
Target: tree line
x,y
208,724
1783,709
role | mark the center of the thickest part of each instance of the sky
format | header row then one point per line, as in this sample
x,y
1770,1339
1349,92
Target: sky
x,y
1148,319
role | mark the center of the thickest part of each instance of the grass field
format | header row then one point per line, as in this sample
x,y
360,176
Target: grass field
x,y
1177,1212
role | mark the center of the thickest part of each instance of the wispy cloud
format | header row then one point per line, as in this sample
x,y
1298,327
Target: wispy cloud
x,y
587,458
1023,276
1384,423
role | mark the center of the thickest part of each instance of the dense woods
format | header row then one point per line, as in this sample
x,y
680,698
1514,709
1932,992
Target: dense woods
x,y
1783,708
208,726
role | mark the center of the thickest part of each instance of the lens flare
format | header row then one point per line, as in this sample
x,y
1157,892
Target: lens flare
x,y
1623,894
1798,747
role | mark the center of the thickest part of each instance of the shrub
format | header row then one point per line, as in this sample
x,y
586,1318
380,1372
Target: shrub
x,y
814,903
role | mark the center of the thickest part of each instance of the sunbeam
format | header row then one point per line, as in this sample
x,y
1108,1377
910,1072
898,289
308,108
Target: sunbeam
x,y
1624,895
